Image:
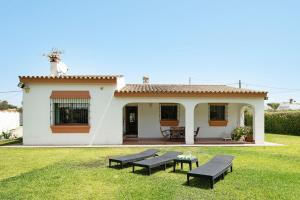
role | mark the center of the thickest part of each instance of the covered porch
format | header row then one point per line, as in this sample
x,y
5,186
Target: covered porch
x,y
151,123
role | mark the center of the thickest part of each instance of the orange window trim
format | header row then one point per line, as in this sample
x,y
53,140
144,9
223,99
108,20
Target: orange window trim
x,y
218,122
169,122
218,104
70,95
70,128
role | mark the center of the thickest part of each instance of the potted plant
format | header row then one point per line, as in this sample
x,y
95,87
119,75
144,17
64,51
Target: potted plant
x,y
249,134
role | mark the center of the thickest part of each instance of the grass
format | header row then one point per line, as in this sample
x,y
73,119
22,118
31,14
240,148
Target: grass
x,y
81,173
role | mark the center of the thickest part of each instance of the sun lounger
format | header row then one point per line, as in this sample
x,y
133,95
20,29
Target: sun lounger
x,y
162,160
216,167
127,159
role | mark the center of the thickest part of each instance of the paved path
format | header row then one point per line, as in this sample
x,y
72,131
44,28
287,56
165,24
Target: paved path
x,y
266,144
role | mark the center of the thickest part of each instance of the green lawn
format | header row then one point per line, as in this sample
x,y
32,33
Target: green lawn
x,y
81,173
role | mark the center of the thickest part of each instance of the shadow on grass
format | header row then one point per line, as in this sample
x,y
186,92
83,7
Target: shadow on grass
x,y
118,166
89,164
202,183
144,171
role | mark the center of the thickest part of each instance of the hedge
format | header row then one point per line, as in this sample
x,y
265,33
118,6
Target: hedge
x,y
283,122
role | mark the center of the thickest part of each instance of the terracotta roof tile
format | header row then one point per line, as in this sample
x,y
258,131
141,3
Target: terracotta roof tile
x,y
184,89
73,77
70,79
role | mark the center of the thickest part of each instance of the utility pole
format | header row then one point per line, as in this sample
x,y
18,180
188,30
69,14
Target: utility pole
x,y
240,84
190,80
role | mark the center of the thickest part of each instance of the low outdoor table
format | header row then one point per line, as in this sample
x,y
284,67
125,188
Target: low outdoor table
x,y
185,160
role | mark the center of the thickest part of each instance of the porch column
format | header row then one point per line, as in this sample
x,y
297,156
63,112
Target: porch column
x,y
259,123
242,116
189,123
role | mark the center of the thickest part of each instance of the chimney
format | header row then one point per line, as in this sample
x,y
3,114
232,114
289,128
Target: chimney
x,y
145,80
54,58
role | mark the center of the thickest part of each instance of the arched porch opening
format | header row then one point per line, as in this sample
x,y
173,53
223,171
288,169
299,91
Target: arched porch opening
x,y
217,121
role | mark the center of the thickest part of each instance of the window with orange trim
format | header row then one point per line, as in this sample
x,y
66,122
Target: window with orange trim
x,y
218,114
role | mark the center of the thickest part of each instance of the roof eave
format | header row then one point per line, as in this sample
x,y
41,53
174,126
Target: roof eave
x,y
189,94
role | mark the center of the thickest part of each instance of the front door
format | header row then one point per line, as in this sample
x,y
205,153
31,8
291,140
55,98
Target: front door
x,y
132,121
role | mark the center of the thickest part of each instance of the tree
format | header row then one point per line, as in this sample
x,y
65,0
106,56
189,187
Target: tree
x,y
274,106
4,105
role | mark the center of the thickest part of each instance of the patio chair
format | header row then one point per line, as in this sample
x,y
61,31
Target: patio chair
x,y
162,160
216,167
196,132
128,159
165,133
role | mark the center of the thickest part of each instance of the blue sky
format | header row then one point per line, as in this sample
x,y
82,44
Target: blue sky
x,y
213,42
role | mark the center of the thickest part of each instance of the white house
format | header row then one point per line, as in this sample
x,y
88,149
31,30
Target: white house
x,y
102,109
291,105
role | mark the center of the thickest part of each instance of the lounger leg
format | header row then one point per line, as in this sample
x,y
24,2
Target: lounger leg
x,y
132,168
231,168
121,165
174,166
149,171
212,183
197,164
222,176
188,179
181,165
190,164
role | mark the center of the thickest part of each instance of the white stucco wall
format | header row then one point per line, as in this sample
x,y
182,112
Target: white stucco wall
x,y
206,131
9,120
106,116
149,122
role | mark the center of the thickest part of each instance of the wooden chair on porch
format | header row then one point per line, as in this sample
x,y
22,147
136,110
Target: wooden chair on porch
x,y
196,132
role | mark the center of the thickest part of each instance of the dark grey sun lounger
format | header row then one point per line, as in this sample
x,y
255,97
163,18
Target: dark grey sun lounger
x,y
213,169
122,160
162,160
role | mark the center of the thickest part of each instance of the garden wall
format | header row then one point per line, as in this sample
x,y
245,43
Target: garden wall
x,y
9,119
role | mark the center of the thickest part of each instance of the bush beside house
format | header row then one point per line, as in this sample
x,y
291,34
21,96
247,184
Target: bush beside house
x,y
281,122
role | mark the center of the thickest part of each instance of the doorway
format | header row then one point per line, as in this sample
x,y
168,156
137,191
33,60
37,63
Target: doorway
x,y
131,121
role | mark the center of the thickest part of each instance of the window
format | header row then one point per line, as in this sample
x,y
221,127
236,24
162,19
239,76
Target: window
x,y
71,113
217,115
168,112
217,112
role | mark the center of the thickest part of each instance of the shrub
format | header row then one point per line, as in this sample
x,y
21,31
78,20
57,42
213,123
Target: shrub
x,y
248,119
283,122
280,122
6,135
240,133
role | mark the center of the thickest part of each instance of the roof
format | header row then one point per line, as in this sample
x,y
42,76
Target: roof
x,y
186,90
70,79
288,106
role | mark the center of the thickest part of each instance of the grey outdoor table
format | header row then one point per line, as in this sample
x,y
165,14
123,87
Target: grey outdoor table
x,y
185,160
